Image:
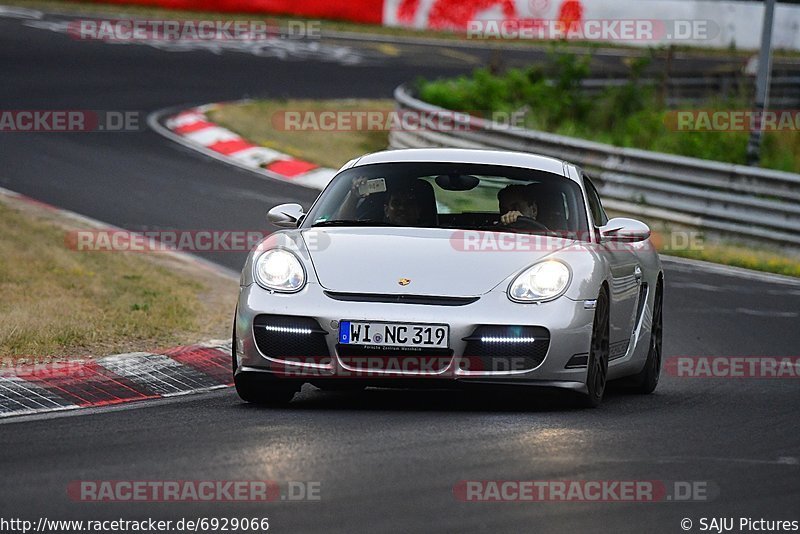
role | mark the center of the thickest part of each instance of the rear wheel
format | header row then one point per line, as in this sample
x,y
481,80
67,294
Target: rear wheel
x,y
647,379
597,369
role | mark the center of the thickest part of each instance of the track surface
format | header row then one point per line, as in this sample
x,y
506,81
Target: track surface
x,y
385,459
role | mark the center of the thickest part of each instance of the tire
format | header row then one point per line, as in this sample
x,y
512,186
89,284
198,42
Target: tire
x,y
234,363
265,390
646,380
597,367
258,390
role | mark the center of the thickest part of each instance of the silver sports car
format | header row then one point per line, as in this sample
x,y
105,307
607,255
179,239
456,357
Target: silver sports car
x,y
448,267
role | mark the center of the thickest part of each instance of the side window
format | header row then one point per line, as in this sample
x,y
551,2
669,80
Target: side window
x,y
598,213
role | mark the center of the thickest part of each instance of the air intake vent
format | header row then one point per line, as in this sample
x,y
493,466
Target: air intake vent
x,y
285,337
505,348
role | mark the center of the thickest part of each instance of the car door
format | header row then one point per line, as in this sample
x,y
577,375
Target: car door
x,y
626,276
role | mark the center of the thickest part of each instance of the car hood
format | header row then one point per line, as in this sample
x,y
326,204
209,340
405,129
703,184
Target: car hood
x,y
434,261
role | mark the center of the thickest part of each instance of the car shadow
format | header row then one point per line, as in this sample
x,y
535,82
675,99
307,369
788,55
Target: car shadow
x,y
509,399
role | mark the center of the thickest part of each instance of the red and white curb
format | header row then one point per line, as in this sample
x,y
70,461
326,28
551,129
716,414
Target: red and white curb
x,y
193,129
72,384
62,384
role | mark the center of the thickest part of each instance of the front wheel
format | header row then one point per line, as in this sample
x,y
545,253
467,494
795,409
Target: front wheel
x,y
597,368
265,390
260,391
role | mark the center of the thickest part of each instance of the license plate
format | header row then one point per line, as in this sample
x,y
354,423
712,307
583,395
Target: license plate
x,y
394,334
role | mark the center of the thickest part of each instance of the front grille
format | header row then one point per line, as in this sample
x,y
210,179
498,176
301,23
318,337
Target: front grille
x,y
394,359
427,300
284,337
505,348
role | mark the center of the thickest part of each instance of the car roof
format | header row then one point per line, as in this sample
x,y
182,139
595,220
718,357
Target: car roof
x,y
463,155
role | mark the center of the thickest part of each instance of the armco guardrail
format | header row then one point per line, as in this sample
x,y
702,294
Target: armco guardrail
x,y
680,91
734,200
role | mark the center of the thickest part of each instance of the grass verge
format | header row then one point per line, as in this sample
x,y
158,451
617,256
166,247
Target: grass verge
x,y
261,122
740,256
60,302
254,120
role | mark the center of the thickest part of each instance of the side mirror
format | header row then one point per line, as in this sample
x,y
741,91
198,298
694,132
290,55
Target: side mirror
x,y
624,230
286,215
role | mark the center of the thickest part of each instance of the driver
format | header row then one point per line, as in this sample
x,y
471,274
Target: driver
x,y
400,204
515,201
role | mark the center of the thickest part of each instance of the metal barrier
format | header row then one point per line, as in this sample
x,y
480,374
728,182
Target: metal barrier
x,y
734,200
680,91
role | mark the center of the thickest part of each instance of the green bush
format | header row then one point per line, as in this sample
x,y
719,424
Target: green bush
x,y
630,115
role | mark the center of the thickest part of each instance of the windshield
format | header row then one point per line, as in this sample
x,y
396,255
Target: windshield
x,y
452,195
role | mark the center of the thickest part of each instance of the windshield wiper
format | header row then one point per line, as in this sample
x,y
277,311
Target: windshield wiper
x,y
351,222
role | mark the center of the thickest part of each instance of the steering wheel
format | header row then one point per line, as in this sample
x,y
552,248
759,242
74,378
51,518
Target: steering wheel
x,y
524,222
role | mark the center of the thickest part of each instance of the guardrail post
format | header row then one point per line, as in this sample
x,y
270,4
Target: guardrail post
x,y
762,85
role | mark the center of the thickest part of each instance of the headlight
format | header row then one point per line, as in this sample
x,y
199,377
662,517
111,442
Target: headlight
x,y
280,270
543,281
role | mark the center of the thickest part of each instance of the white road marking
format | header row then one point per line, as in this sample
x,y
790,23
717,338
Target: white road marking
x,y
767,313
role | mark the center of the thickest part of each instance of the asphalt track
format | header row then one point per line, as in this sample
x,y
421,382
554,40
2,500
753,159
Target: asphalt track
x,y
385,459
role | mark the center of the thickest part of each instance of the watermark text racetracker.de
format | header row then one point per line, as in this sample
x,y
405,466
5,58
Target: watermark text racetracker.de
x,y
733,120
629,30
644,491
70,120
119,240
359,120
165,30
193,490
488,241
733,366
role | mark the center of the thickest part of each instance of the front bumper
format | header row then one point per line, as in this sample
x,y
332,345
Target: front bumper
x,y
568,323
